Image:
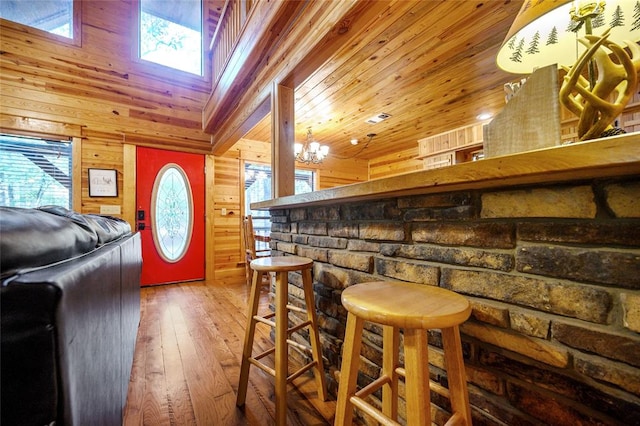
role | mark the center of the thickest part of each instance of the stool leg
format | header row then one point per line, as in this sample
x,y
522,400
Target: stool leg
x,y
281,352
456,373
390,360
254,298
349,370
416,362
314,338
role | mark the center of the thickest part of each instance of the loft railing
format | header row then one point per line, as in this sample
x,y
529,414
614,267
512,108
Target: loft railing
x,y
232,21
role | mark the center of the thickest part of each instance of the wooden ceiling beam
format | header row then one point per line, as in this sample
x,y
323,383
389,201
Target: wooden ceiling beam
x,y
313,39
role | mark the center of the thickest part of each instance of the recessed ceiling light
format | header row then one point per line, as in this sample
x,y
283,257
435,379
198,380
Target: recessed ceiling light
x,y
354,141
484,116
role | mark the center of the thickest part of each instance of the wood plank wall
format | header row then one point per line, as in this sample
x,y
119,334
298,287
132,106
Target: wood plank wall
x,y
394,164
96,83
95,90
104,152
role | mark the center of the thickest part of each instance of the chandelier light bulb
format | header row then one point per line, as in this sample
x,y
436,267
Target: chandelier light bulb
x,y
310,151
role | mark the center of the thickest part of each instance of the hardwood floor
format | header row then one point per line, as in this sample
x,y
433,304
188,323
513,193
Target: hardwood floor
x,y
187,362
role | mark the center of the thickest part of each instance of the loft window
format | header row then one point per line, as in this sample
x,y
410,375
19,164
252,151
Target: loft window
x,y
34,172
171,33
52,16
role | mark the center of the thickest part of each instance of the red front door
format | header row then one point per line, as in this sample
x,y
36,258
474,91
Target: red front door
x,y
170,215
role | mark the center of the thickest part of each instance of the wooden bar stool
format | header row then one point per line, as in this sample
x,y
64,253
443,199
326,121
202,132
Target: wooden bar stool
x,y
414,308
281,266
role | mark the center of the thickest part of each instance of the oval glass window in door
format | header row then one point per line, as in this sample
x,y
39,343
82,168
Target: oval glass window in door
x,y
171,212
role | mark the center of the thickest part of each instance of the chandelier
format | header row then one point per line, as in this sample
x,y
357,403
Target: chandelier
x,y
310,151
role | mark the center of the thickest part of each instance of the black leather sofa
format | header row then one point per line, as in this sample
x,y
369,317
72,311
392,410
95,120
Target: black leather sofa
x,y
70,309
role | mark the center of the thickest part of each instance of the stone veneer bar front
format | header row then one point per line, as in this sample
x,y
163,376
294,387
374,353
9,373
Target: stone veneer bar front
x,y
545,245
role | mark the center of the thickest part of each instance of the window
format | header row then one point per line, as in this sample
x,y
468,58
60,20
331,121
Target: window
x,y
52,16
257,187
34,172
171,33
172,213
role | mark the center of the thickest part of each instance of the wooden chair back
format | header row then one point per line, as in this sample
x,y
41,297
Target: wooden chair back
x,y
250,249
249,239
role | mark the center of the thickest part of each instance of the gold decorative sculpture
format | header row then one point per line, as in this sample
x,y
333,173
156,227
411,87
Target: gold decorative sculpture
x,y
602,71
598,103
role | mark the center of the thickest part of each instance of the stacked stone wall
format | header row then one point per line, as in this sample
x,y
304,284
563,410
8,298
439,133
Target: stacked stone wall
x,y
552,273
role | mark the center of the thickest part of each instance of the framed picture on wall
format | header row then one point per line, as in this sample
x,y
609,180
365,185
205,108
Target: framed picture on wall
x,y
103,183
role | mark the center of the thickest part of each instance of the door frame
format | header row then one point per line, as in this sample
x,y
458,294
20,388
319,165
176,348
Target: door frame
x,y
129,202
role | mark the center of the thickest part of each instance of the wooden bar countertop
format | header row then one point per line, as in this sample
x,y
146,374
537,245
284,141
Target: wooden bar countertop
x,y
599,158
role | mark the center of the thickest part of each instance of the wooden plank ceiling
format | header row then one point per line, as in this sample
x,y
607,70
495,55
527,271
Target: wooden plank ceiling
x,y
430,65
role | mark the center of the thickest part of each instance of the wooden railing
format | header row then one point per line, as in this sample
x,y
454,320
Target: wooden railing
x,y
232,21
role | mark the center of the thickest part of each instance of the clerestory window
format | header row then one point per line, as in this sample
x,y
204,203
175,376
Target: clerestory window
x,y
171,34
52,16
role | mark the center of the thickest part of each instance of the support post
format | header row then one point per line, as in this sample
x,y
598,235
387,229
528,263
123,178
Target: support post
x,y
282,140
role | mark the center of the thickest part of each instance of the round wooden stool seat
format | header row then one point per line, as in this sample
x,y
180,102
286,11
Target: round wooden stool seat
x,y
413,308
281,264
406,305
